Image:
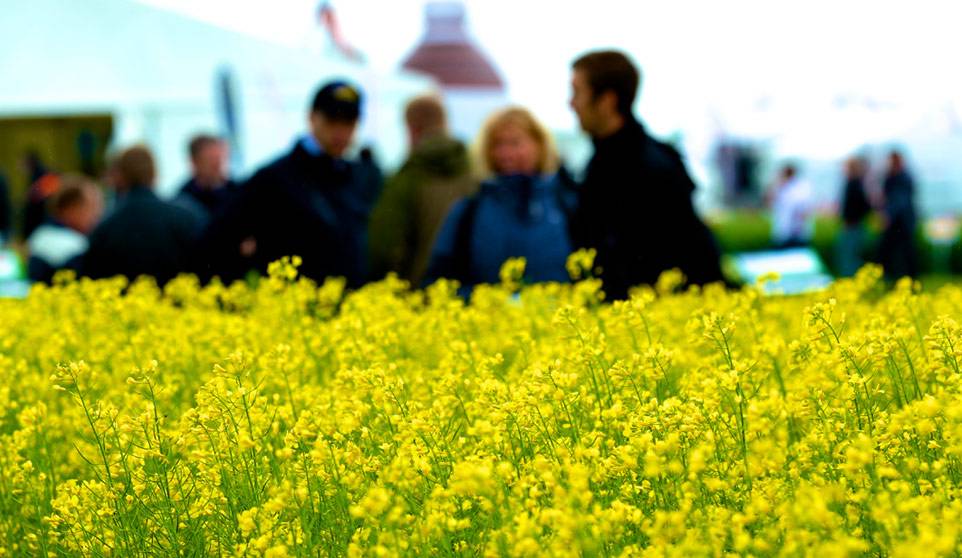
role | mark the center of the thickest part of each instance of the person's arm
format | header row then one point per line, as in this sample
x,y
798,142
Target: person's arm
x,y
588,211
444,261
38,270
391,227
219,245
94,262
6,211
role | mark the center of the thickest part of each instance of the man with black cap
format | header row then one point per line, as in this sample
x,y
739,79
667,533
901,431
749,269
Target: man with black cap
x,y
312,202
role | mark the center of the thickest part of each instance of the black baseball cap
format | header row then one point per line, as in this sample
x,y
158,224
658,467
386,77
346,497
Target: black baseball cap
x,y
338,100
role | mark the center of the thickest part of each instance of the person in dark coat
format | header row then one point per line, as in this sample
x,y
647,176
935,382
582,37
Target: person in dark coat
x,y
312,202
520,211
436,174
143,235
209,190
897,250
635,203
6,211
42,185
854,209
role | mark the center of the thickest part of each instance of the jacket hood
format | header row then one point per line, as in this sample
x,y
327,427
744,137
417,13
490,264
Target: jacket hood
x,y
442,155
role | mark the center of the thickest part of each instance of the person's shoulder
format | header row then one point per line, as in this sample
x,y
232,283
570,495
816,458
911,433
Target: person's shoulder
x,y
48,233
113,218
56,244
440,155
463,205
187,188
270,176
662,154
111,226
232,186
173,207
281,165
178,212
367,174
188,201
366,164
488,187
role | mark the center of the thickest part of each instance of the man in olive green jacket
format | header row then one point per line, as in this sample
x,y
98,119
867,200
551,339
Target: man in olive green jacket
x,y
417,198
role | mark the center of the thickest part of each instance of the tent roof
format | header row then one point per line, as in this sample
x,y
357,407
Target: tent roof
x,y
70,56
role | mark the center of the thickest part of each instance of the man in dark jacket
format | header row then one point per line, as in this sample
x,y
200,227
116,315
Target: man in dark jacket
x,y
6,211
635,205
210,189
312,202
897,250
144,235
417,198
855,208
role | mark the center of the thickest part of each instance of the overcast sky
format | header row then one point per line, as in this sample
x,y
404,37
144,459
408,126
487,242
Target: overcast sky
x,y
722,55
812,80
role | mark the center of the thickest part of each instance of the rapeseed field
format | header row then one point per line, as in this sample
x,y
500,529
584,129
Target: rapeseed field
x,y
294,419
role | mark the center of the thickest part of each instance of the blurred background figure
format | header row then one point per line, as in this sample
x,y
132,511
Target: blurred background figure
x,y
792,206
635,204
42,185
854,210
313,202
61,240
143,235
210,189
897,250
6,211
520,210
417,198
737,166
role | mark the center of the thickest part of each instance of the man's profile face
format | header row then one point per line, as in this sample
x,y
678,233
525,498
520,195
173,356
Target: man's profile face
x,y
583,102
334,135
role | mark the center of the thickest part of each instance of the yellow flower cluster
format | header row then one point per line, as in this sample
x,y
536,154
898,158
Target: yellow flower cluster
x,y
292,419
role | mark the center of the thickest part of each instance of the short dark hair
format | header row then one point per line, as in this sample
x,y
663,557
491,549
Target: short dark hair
x,y
426,113
74,191
199,142
789,170
611,70
136,166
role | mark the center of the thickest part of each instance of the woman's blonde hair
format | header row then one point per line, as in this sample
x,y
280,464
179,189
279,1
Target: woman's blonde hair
x,y
521,117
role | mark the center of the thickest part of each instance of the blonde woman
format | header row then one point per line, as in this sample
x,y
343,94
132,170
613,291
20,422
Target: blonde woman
x,y
519,211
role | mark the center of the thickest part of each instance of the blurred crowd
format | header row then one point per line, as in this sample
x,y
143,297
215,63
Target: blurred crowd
x,y
449,211
793,209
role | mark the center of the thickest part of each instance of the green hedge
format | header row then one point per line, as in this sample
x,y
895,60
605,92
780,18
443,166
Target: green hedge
x,y
747,231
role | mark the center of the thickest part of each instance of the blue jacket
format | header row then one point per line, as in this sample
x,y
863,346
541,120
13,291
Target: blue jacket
x,y
509,217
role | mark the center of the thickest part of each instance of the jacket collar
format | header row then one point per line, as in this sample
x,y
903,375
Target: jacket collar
x,y
310,144
306,152
631,130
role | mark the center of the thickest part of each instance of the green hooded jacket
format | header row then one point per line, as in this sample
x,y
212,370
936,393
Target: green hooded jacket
x,y
413,206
